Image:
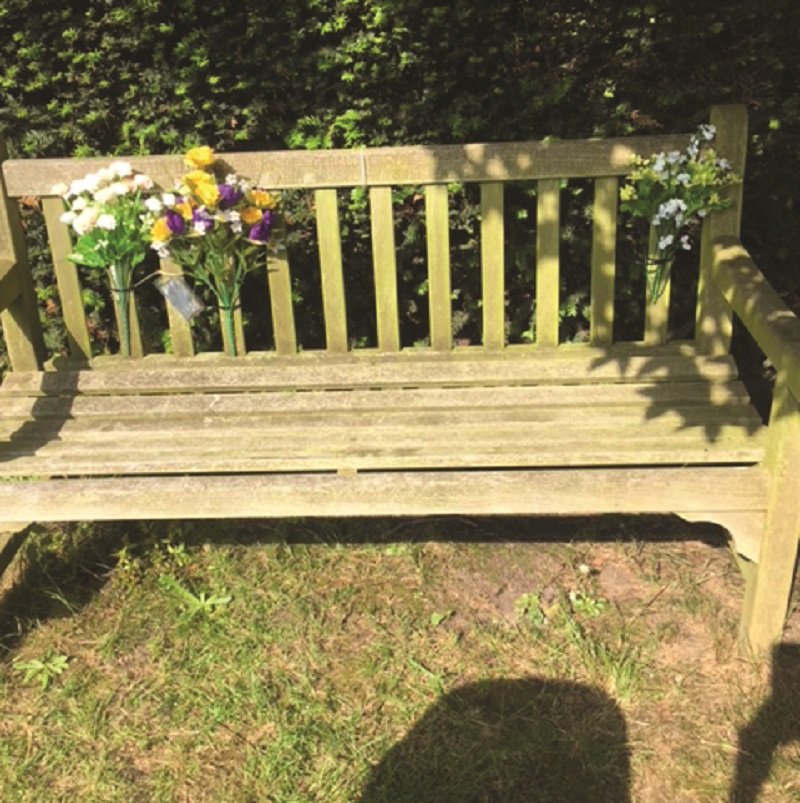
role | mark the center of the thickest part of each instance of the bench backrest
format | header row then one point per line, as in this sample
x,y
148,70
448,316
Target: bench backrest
x,y
377,171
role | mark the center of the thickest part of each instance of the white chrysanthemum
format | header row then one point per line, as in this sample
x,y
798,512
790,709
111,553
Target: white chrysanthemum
x,y
683,178
107,222
105,175
59,189
152,204
91,182
68,217
85,221
236,227
79,204
77,187
168,198
103,195
142,182
231,179
665,242
119,188
686,243
121,169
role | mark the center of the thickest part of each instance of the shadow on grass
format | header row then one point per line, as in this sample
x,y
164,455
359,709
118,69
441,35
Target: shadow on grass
x,y
507,741
65,566
776,723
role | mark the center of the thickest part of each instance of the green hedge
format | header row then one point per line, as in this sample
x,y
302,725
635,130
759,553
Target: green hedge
x,y
142,76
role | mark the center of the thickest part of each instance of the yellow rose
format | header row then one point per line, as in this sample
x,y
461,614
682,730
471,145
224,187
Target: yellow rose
x,y
207,193
262,199
251,215
199,177
160,232
184,210
200,157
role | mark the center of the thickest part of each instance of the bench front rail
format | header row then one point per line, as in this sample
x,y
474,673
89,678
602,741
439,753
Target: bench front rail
x,y
489,428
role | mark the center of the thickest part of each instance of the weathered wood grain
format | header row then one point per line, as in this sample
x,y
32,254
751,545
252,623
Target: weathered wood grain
x,y
330,259
19,313
402,493
653,399
769,589
374,167
280,293
772,324
384,262
493,265
604,261
714,322
389,371
437,234
69,286
548,244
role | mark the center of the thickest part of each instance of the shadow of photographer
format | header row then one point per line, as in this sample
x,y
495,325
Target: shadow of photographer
x,y
510,741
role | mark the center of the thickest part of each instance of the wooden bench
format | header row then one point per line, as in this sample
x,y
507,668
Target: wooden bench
x,y
546,428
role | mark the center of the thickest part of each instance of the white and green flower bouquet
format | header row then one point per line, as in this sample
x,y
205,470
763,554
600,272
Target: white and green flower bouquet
x,y
674,191
106,212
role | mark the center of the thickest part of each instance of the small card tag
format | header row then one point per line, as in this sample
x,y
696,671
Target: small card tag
x,y
181,296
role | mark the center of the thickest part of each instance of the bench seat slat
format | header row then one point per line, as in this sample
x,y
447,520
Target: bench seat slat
x,y
654,395
543,492
277,424
182,459
388,440
374,372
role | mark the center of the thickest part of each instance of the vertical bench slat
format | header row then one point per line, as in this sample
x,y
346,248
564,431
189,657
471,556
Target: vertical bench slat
x,y
437,231
384,260
330,259
604,261
656,319
547,261
714,320
137,347
180,330
22,330
280,293
493,265
67,279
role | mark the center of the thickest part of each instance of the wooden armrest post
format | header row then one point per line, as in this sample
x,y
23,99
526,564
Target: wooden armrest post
x,y
713,325
20,315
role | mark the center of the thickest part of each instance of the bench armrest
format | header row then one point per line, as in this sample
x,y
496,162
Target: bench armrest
x,y
772,324
9,284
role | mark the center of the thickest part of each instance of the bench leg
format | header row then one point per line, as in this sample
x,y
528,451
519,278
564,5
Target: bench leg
x,y
770,583
11,538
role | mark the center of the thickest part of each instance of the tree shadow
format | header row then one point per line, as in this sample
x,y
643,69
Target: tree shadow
x,y
776,723
510,741
45,417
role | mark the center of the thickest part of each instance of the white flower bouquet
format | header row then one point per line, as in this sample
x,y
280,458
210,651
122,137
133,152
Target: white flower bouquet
x,y
106,212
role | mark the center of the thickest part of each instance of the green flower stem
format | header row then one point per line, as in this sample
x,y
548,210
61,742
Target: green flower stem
x,y
120,279
229,333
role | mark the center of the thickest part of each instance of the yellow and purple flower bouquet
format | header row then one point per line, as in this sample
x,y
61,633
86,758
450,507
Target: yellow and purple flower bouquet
x,y
214,227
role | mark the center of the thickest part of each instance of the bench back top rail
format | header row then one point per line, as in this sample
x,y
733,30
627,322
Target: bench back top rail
x,y
378,170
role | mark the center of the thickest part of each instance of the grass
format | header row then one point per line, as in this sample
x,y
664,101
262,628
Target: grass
x,y
432,660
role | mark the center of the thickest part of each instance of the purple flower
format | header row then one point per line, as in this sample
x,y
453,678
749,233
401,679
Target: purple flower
x,y
175,223
202,222
228,196
260,232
